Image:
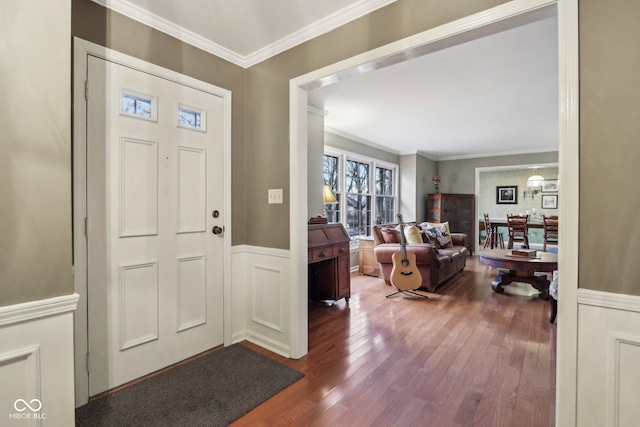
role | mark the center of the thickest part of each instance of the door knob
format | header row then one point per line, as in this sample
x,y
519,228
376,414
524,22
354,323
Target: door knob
x,y
216,230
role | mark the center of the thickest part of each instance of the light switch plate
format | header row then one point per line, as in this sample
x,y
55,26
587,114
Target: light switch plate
x,y
275,196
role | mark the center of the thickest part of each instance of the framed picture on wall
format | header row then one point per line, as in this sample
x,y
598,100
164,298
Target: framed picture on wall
x,y
550,186
549,201
507,195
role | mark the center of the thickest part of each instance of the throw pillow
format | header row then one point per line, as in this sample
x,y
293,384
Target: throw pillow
x,y
412,234
439,236
446,224
391,235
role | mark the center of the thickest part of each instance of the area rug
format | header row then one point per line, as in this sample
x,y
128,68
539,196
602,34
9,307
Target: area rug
x,y
213,390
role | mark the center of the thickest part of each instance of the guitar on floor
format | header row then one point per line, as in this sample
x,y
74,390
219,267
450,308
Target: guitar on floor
x,y
405,275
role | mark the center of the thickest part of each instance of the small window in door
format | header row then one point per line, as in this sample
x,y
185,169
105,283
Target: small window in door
x,y
139,106
192,118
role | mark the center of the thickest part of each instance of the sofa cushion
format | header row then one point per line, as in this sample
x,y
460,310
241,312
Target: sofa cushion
x,y
442,260
412,234
439,235
454,252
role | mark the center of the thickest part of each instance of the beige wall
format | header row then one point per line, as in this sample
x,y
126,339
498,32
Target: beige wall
x,y
268,97
35,151
609,147
104,27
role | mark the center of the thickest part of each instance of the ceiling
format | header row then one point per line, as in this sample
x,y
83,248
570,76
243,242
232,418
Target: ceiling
x,y
493,95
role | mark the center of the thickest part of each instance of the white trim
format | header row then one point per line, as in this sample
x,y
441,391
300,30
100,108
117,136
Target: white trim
x,y
568,161
260,250
608,300
32,310
82,49
318,28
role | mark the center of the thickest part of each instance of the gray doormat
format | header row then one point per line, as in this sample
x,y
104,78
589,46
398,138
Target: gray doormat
x,y
213,390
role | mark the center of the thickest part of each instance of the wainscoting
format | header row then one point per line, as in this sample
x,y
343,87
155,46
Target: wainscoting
x,y
261,303
608,355
36,362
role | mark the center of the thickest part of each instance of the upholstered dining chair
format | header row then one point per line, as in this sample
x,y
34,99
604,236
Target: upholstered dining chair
x,y
492,235
518,229
550,224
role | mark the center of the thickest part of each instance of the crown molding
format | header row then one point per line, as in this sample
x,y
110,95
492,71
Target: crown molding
x,y
355,11
502,153
331,22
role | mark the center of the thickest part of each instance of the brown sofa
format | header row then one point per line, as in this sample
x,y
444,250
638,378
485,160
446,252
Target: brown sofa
x,y
435,265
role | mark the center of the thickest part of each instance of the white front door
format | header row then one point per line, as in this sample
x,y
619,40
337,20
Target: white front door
x,y
154,194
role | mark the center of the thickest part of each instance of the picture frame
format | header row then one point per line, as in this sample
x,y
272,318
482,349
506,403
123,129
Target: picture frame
x,y
507,195
549,201
550,186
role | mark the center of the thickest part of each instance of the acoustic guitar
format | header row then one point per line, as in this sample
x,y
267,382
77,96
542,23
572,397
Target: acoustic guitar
x,y
405,275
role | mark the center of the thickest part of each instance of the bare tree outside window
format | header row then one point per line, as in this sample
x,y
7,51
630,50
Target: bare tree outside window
x,y
332,178
385,197
358,198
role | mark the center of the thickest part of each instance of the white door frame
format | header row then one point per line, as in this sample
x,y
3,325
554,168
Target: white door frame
x,y
566,373
82,49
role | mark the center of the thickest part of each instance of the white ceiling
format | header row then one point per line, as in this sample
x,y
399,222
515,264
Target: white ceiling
x,y
490,96
494,95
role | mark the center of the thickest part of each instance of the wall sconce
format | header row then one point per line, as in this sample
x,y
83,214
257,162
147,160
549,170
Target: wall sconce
x,y
436,182
534,185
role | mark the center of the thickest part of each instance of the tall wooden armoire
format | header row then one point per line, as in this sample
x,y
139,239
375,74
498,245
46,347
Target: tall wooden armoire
x,y
457,209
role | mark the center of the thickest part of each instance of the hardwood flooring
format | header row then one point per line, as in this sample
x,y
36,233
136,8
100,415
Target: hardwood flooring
x,y
464,357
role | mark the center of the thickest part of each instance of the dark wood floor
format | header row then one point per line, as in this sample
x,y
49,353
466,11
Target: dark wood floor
x,y
464,357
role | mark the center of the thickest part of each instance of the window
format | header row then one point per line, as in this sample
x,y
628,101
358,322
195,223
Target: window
x,y
358,198
138,105
192,118
366,190
385,195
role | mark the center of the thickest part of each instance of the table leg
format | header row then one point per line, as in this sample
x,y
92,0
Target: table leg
x,y
505,278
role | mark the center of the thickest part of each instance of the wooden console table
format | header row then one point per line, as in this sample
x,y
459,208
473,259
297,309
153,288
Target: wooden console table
x,y
329,271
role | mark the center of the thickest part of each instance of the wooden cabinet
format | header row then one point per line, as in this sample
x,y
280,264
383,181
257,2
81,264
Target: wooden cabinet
x,y
457,209
329,271
367,263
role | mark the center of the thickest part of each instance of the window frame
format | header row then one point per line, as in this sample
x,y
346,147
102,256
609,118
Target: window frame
x,y
341,193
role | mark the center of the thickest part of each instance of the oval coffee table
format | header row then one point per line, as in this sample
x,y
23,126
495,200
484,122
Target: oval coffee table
x,y
520,269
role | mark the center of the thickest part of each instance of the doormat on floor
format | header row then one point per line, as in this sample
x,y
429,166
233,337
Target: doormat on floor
x,y
213,390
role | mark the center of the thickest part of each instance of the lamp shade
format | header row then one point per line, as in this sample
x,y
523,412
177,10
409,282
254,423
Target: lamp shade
x,y
535,181
327,194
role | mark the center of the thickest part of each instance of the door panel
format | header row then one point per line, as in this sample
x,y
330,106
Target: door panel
x,y
155,269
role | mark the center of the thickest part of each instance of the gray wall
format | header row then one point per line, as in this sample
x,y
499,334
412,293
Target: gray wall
x,y
35,151
408,198
458,176
346,144
315,153
609,148
426,170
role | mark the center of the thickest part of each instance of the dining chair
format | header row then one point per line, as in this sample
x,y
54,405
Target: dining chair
x,y
550,225
494,238
518,226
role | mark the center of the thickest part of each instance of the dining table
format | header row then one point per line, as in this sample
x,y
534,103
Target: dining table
x,y
495,223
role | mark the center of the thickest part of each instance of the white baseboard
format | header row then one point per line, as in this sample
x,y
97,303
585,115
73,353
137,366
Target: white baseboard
x,y
36,361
